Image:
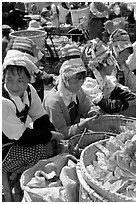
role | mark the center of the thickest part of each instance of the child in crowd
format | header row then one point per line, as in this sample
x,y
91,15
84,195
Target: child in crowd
x,y
110,96
45,17
23,144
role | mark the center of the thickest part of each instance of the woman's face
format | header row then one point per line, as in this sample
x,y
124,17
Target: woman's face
x,y
106,70
16,82
109,69
75,82
123,56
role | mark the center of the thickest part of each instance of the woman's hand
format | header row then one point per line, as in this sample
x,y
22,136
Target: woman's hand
x,y
95,111
57,136
85,123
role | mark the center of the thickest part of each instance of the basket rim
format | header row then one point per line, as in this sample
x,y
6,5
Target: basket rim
x,y
42,33
118,116
96,183
87,187
90,132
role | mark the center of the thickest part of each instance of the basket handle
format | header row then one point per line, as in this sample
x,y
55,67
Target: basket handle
x,y
77,146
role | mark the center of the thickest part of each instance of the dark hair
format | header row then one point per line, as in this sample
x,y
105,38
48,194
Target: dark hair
x,y
6,32
130,49
18,68
81,75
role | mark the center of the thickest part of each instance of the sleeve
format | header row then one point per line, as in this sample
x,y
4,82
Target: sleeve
x,y
122,94
12,126
43,122
59,116
117,102
36,109
33,137
14,129
113,106
85,103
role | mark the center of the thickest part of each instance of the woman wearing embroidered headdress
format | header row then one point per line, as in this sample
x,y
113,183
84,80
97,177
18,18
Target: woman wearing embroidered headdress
x,y
23,144
110,96
69,108
121,47
24,45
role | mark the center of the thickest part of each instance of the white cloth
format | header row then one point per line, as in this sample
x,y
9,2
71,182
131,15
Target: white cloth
x,y
11,53
61,188
66,95
18,58
19,103
12,126
99,88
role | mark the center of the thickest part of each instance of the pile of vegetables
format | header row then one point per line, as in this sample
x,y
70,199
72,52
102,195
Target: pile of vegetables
x,y
115,166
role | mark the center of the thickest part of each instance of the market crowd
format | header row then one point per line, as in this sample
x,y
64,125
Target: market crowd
x,y
96,77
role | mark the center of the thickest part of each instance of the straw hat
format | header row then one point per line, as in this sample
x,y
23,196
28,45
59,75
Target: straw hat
x,y
34,25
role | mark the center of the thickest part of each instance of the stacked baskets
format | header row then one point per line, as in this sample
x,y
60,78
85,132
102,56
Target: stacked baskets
x,y
37,36
90,189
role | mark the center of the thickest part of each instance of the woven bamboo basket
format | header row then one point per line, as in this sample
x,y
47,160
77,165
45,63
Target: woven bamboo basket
x,y
86,193
89,138
38,36
87,157
110,123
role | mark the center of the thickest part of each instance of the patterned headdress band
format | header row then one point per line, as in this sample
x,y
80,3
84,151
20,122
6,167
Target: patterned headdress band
x,y
119,41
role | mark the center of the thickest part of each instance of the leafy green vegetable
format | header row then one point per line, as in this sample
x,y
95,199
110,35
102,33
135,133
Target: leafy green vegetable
x,y
115,167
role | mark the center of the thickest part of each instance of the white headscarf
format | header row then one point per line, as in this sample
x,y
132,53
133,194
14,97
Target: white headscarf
x,y
67,70
21,59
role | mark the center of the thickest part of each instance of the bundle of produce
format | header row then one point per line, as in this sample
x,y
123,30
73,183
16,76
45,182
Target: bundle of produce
x,y
110,168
